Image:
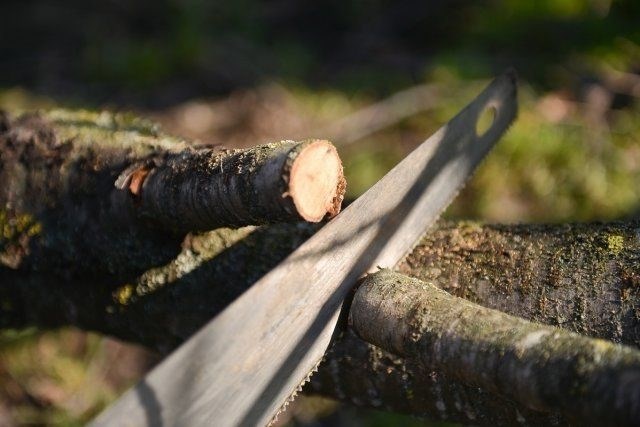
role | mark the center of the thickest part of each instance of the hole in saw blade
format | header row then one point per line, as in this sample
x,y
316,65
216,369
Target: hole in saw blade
x,y
485,120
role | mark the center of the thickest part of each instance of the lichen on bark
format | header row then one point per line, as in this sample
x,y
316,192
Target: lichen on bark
x,y
543,368
563,275
159,289
510,268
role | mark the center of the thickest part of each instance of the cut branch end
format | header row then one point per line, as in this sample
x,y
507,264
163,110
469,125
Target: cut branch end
x,y
316,182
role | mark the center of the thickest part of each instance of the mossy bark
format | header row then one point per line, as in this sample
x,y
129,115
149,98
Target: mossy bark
x,y
362,374
70,255
163,306
581,277
541,367
107,194
592,291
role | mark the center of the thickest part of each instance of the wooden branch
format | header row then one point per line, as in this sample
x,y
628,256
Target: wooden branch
x,y
205,189
546,369
69,175
362,374
582,277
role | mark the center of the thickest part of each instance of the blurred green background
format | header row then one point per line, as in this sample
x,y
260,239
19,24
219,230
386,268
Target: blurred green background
x,y
376,77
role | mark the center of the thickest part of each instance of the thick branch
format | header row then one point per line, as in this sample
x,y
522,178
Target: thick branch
x,y
361,374
97,193
583,278
588,380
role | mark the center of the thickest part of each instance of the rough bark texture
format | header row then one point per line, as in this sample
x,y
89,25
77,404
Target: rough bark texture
x,y
359,373
582,277
512,268
164,305
109,194
67,258
58,177
544,368
206,189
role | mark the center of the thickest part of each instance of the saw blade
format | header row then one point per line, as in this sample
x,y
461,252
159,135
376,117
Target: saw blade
x,y
254,355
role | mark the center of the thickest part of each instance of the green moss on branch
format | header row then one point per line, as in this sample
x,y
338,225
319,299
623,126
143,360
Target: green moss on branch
x,y
512,268
567,275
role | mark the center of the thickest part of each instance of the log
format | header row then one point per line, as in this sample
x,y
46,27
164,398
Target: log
x,y
362,374
547,369
285,181
68,175
581,277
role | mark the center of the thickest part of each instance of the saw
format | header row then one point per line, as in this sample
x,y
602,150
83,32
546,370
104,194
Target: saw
x,y
251,359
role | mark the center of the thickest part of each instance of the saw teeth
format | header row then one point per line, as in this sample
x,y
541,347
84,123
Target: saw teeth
x,y
298,389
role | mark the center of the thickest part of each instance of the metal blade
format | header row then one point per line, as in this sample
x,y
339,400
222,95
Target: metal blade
x,y
243,365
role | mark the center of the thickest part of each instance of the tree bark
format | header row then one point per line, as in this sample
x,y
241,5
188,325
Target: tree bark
x,y
548,369
362,374
204,189
583,278
74,264
136,192
580,277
